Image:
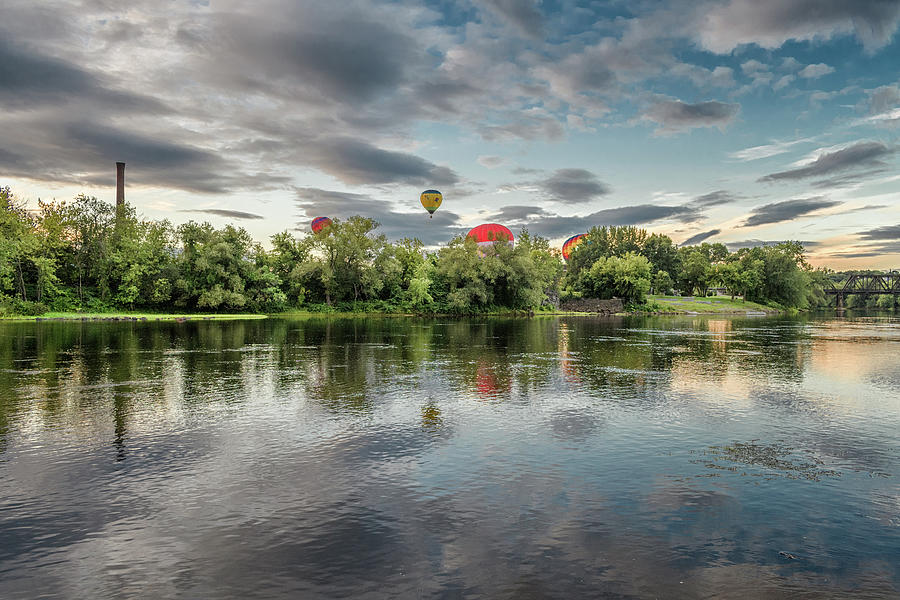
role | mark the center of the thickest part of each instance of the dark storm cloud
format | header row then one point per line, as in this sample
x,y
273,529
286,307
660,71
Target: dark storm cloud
x,y
674,115
548,224
778,212
888,232
28,79
700,237
84,152
358,162
770,23
521,13
156,160
572,186
860,154
315,202
220,212
716,198
646,213
331,50
847,179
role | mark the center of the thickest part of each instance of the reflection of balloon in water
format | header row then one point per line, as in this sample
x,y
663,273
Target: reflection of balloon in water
x,y
487,384
431,200
570,244
488,234
320,223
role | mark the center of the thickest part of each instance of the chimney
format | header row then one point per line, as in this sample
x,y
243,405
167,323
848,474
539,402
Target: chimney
x,y
120,185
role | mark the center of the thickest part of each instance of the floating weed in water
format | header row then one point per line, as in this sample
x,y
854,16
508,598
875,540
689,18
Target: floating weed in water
x,y
774,460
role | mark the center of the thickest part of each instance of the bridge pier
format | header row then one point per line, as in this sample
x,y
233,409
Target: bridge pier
x,y
840,302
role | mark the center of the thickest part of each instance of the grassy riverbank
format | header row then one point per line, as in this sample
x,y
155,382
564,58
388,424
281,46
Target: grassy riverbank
x,y
131,316
656,304
708,305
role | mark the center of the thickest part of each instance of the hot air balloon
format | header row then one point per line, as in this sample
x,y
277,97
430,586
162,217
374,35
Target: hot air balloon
x,y
320,223
570,244
488,234
431,200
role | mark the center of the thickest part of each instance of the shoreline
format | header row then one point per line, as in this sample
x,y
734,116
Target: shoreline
x,y
182,318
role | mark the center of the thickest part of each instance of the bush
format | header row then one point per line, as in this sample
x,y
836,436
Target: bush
x,y
13,307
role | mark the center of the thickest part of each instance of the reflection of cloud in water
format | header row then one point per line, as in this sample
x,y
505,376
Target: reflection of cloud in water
x,y
574,424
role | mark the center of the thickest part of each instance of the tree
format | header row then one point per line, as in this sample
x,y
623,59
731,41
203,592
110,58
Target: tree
x,y
695,270
626,277
602,242
344,253
662,254
662,282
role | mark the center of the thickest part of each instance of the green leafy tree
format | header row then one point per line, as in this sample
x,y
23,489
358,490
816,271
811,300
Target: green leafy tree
x,y
662,254
662,282
695,270
626,277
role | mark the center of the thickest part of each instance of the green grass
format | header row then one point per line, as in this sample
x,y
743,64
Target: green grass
x,y
710,304
76,316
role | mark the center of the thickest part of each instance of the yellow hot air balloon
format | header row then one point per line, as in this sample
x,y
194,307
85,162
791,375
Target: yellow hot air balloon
x,y
431,200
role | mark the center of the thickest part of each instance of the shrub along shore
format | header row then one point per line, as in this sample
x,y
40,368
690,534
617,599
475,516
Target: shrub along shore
x,y
84,260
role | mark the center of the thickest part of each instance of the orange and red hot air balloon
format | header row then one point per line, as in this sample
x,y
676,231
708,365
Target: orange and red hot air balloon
x,y
570,244
490,233
320,223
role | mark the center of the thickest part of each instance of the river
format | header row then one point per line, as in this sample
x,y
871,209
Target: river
x,y
551,457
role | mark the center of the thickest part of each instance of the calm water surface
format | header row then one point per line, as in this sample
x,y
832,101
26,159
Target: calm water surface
x,y
381,458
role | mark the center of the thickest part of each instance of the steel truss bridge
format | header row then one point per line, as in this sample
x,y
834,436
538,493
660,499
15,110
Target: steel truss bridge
x,y
866,284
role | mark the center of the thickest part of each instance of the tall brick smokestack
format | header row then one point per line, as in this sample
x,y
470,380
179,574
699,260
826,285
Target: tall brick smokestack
x,y
120,186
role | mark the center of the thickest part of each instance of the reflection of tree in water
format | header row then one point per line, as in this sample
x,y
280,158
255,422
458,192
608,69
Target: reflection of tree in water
x,y
488,356
431,416
611,361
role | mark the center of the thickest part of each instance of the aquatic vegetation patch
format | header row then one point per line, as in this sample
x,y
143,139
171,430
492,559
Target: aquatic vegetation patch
x,y
769,461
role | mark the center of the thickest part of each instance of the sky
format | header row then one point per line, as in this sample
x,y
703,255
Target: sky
x,y
735,121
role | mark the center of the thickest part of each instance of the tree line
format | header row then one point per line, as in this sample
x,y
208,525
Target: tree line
x,y
84,255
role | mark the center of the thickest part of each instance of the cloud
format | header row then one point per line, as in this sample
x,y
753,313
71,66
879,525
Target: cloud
x,y
675,116
883,99
771,23
783,82
521,13
847,180
815,71
491,162
715,198
83,151
572,186
333,51
700,237
767,150
869,251
230,214
528,125
778,212
444,225
860,154
888,232
546,223
754,243
356,161
31,80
